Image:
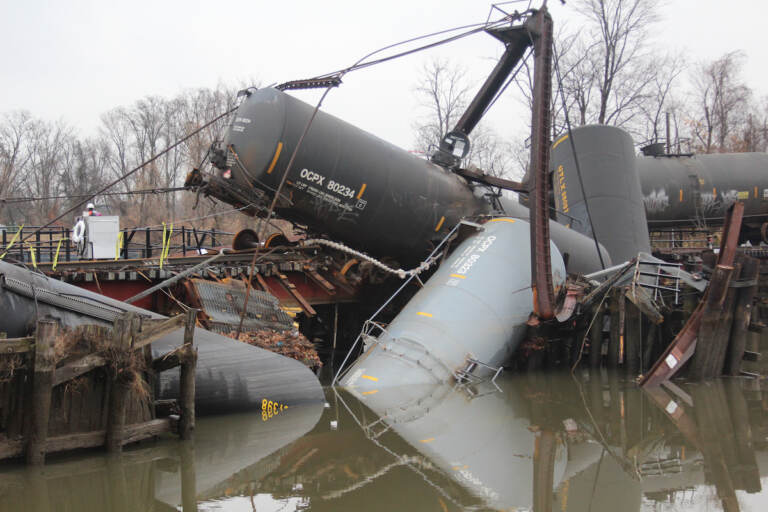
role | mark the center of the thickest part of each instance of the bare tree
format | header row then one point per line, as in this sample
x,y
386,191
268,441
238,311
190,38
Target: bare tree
x,y
444,93
660,99
15,128
620,27
720,102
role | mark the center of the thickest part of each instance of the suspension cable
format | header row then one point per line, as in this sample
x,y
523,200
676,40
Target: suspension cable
x,y
575,155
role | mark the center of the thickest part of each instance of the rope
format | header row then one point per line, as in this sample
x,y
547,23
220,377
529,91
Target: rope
x,y
402,274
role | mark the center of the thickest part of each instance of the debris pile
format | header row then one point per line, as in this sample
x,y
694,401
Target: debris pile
x,y
289,343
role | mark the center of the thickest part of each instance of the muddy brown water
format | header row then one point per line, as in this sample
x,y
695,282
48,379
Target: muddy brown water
x,y
544,442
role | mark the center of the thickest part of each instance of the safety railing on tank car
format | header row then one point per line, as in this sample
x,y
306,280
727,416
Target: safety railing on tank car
x,y
54,243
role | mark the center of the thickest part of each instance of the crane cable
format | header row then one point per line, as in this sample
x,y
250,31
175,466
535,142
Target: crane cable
x,y
146,191
575,155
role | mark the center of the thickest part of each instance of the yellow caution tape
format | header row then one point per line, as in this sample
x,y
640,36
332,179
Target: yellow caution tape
x,y
13,241
168,243
56,256
119,245
32,253
162,249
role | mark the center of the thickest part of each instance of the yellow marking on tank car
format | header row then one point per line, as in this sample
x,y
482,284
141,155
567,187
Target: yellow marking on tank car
x,y
421,313
440,224
511,221
755,192
428,440
373,391
459,276
274,158
348,265
374,379
362,189
681,195
561,139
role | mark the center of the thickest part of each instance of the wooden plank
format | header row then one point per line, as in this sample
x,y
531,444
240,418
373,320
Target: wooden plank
x,y
751,356
167,361
77,368
81,440
17,345
139,431
156,330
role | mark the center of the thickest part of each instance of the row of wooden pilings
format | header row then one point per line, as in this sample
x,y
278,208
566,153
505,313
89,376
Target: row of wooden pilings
x,y
616,330
635,340
124,416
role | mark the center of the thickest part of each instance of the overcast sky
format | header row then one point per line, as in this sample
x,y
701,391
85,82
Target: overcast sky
x,y
73,60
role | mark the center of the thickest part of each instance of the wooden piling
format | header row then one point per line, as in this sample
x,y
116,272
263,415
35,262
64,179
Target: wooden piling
x,y
119,386
616,341
42,385
723,332
596,338
750,269
715,298
188,477
633,339
187,379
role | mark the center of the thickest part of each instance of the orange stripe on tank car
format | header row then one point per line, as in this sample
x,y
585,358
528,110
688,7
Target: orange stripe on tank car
x,y
274,158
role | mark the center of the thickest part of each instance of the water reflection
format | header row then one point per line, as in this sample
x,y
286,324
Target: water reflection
x,y
539,442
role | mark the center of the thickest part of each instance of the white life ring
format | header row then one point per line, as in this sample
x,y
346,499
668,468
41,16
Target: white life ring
x,y
78,232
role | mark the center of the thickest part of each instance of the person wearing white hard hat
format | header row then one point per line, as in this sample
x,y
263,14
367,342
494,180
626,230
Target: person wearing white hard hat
x,y
91,211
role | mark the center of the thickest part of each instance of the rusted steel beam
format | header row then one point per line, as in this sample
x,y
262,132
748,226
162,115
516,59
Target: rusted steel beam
x,y
731,230
263,283
493,181
291,288
315,276
677,353
541,261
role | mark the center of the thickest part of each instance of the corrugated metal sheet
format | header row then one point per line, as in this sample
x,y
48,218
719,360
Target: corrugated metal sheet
x,y
223,303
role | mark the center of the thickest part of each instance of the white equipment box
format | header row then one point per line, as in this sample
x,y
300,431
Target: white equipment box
x,y
101,236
